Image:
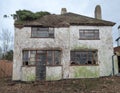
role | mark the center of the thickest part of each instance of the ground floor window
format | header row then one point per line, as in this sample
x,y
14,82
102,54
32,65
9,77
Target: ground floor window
x,y
83,57
50,57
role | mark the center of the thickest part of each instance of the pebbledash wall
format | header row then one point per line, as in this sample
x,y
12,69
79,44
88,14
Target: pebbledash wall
x,y
66,39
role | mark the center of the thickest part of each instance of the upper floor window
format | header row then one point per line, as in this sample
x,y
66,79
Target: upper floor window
x,y
40,32
89,34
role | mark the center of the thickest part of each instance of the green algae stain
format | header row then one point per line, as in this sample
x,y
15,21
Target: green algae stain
x,y
53,77
31,77
86,72
76,47
82,47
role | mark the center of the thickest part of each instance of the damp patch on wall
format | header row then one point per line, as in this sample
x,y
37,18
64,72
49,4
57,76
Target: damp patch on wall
x,y
84,71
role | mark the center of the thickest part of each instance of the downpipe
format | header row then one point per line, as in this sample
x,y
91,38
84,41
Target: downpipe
x,y
113,69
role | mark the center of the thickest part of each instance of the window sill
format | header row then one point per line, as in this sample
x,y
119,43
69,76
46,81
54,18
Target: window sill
x,y
86,65
53,65
42,37
28,65
89,39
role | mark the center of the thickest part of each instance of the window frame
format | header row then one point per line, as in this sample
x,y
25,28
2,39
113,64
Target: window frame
x,y
53,58
49,31
93,64
86,32
36,54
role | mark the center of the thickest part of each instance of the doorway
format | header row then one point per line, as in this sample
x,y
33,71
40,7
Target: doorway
x,y
41,65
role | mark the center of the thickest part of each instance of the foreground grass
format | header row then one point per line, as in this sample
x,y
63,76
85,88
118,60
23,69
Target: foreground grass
x,y
97,85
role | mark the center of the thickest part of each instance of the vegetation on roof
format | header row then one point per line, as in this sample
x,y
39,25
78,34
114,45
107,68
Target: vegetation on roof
x,y
28,18
26,15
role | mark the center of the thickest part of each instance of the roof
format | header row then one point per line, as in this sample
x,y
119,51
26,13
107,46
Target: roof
x,y
65,20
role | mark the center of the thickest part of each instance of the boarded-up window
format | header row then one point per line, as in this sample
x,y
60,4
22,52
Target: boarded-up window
x,y
51,57
83,57
40,32
87,34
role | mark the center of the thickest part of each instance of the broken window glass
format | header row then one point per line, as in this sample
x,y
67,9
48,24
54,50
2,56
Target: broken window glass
x,y
57,56
25,57
83,57
53,57
29,57
49,57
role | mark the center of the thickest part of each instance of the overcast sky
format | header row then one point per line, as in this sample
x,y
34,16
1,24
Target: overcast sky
x,y
110,9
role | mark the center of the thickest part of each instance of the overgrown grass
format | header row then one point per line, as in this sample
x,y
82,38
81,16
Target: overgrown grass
x,y
96,85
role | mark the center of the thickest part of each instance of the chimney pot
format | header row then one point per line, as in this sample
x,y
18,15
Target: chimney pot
x,y
98,12
63,11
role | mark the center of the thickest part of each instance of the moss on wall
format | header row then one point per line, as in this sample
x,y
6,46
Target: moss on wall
x,y
53,73
83,47
86,72
53,77
31,77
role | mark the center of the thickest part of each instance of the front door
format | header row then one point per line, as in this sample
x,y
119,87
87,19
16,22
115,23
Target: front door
x,y
41,65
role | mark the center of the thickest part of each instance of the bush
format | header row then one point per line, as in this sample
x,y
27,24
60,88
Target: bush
x,y
26,15
8,55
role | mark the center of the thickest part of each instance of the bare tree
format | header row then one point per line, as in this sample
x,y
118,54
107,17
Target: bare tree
x,y
6,38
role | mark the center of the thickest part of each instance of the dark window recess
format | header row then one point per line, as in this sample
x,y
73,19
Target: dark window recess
x,y
39,32
51,57
25,57
92,34
57,55
83,57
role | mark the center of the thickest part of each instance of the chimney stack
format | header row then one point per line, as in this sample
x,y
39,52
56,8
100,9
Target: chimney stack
x,y
98,14
63,11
